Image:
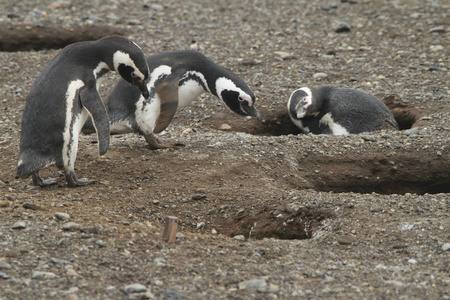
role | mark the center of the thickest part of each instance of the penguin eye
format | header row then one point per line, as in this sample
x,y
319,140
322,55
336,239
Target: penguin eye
x,y
241,99
134,75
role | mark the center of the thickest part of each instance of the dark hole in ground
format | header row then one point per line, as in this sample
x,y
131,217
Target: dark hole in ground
x,y
21,37
281,222
408,171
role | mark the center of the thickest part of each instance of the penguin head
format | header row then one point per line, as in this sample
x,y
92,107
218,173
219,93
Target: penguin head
x,y
132,68
240,101
300,103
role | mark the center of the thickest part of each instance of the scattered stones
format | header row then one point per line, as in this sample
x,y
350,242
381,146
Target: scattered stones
x,y
4,275
258,285
225,127
19,225
4,204
43,275
198,197
411,131
342,27
376,209
400,246
71,226
62,216
135,288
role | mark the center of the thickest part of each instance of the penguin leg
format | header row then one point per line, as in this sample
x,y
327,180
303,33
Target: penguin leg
x,y
155,143
37,180
93,103
73,181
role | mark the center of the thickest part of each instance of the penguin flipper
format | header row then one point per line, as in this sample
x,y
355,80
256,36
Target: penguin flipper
x,y
168,96
93,103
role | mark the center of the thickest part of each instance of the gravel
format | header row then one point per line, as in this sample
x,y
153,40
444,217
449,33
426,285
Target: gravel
x,y
104,241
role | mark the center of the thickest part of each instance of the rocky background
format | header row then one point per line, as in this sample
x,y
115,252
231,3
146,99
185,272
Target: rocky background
x,y
264,212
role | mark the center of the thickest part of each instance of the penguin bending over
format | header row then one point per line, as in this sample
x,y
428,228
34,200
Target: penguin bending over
x,y
64,95
338,111
176,78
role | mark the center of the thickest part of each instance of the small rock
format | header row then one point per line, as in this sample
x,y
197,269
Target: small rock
x,y
225,127
253,285
100,243
396,284
4,275
71,226
239,237
342,27
368,137
4,265
412,261
439,29
320,75
58,261
71,297
31,206
72,273
4,204
19,225
411,131
135,288
43,275
436,48
62,216
180,235
376,209
175,295
200,225
198,197
160,261
346,239
446,247
400,246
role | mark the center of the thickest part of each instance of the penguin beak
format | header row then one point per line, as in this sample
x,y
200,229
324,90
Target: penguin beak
x,y
252,111
142,86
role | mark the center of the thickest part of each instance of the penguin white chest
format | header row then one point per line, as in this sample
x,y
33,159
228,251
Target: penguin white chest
x,y
335,128
188,91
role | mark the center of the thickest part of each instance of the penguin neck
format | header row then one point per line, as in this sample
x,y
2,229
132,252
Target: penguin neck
x,y
317,99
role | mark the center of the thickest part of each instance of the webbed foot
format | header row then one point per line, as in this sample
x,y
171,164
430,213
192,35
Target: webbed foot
x,y
37,180
73,181
154,143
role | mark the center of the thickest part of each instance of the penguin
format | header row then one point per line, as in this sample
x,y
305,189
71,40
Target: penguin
x,y
176,78
64,95
338,111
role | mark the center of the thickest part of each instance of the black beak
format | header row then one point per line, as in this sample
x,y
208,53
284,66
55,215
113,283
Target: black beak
x,y
142,85
252,111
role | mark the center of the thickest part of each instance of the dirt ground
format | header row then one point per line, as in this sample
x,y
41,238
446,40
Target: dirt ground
x,y
264,212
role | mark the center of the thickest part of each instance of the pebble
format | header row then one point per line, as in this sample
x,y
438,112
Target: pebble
x,y
159,261
320,75
4,275
342,27
225,127
135,288
239,237
376,209
252,285
438,29
411,131
436,48
43,275
100,243
19,225
4,265
368,137
62,216
31,206
446,247
412,261
71,226
346,239
4,204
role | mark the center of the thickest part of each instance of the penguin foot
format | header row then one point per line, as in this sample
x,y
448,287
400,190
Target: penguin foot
x,y
37,180
73,181
154,143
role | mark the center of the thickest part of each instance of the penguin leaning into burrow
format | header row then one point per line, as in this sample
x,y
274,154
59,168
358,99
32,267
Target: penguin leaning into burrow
x,y
176,78
338,111
64,95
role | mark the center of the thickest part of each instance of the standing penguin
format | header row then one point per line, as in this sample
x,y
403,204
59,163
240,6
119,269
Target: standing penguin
x,y
176,78
338,111
63,96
